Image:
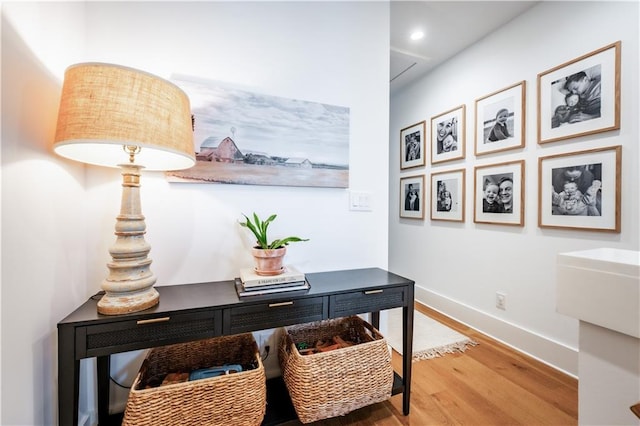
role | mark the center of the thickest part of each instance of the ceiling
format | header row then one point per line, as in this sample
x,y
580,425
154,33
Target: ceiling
x,y
449,27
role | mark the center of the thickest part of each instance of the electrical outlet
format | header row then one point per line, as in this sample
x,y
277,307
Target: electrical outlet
x,y
268,344
259,340
266,341
501,301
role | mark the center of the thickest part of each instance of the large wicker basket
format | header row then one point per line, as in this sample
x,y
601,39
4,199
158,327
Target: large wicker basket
x,y
233,399
334,383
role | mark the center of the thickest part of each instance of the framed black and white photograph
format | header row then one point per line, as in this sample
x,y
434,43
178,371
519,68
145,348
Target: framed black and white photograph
x,y
448,135
580,97
447,195
412,145
499,193
412,195
500,120
580,190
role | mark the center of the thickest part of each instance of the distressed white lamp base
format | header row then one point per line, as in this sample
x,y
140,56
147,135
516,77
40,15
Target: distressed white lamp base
x,y
129,286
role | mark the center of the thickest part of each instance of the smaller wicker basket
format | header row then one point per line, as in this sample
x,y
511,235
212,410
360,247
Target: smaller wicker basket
x,y
233,399
334,383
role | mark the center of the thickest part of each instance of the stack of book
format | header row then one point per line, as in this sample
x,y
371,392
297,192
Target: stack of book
x,y
251,284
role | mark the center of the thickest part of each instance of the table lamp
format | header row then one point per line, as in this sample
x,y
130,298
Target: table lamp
x,y
116,116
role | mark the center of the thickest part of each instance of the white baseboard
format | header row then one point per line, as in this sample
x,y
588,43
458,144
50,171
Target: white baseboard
x,y
554,354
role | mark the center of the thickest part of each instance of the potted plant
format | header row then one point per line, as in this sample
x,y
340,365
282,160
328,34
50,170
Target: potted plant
x,y
268,255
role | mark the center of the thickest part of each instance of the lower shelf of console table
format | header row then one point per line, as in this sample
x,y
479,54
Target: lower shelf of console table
x,y
195,311
279,406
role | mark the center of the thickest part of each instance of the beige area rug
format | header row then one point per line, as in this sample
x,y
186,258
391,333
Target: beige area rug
x,y
431,339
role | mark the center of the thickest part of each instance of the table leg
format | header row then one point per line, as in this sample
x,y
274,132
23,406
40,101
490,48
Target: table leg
x,y
104,374
407,350
375,319
68,378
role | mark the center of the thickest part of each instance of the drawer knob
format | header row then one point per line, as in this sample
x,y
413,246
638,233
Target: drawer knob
x,y
373,291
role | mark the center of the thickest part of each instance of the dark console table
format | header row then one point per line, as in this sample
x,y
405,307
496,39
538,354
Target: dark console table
x,y
197,311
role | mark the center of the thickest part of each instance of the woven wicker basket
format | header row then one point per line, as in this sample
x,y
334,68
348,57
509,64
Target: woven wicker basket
x,y
334,383
233,399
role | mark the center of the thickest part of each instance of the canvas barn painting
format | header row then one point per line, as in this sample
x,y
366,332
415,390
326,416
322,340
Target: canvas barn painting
x,y
244,137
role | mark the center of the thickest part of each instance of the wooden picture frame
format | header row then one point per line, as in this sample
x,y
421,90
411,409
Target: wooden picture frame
x,y
580,190
412,145
447,195
500,120
499,193
410,186
580,97
448,135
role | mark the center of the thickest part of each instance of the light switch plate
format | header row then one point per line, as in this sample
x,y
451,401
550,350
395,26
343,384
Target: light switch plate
x,y
360,201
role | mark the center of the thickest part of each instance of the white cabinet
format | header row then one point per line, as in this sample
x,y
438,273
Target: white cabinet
x,y
601,288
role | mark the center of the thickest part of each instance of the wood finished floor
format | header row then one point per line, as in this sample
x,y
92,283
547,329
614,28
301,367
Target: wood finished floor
x,y
489,384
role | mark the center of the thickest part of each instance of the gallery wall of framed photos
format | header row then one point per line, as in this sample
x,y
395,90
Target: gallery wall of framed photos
x,y
522,130
577,98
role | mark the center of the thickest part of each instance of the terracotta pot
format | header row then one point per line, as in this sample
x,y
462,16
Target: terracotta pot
x,y
269,261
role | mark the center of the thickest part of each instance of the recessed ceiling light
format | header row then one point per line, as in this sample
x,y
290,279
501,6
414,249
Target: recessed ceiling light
x,y
417,35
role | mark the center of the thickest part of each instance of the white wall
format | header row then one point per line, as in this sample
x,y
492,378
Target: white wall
x,y
459,267
43,205
331,52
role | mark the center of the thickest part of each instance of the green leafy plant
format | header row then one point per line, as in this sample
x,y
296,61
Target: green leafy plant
x,y
259,228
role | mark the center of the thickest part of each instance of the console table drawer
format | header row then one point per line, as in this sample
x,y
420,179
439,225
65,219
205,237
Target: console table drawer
x,y
134,334
273,314
371,300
